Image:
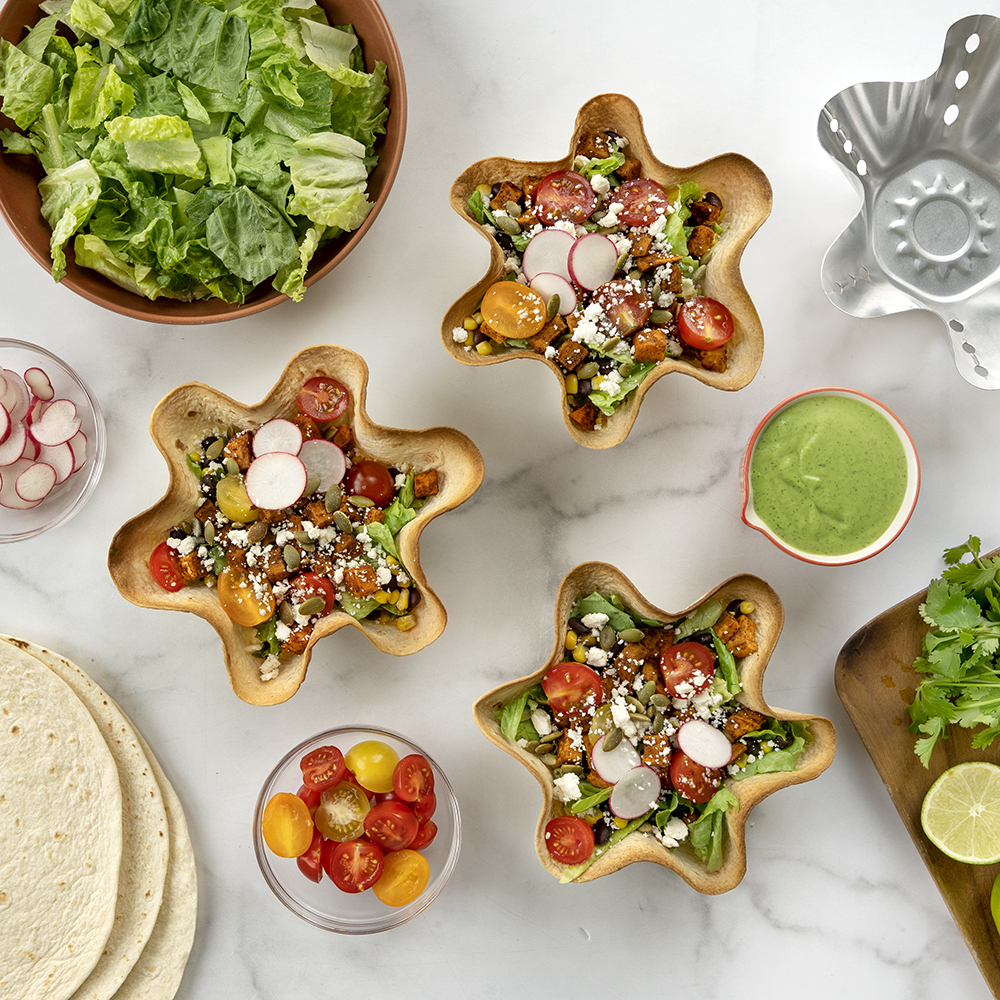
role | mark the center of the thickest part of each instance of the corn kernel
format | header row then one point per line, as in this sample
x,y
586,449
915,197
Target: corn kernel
x,y
580,654
572,384
391,561
478,317
619,823
571,639
380,596
485,347
405,623
404,600
469,323
747,607
485,190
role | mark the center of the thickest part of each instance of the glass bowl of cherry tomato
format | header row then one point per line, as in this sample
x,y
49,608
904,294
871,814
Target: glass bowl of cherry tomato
x,y
357,830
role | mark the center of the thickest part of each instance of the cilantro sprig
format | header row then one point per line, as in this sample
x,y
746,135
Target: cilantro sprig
x,y
962,682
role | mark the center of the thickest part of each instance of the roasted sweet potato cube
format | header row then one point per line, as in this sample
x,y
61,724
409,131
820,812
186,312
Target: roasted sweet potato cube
x,y
570,354
593,778
298,640
485,328
657,639
630,169
361,581
507,192
585,416
744,642
701,240
346,545
630,660
425,484
744,720
343,437
529,185
566,752
640,244
594,145
656,751
650,344
306,424
316,512
206,511
275,567
673,279
239,449
547,334
704,213
191,567
652,260
714,360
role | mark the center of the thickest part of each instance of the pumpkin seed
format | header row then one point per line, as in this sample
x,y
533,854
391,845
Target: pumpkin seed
x,y
291,556
659,700
214,450
545,747
631,635
508,225
646,692
359,501
531,746
312,485
302,536
634,702
572,769
307,546
610,344
312,605
620,263
552,307
333,497
525,713
638,716
589,370
232,467
625,368
513,208
608,637
286,614
613,738
209,532
658,721
660,316
341,520
549,759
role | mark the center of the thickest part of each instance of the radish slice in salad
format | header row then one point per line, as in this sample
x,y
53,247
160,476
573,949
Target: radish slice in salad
x,y
5,425
548,284
59,456
78,445
548,251
39,384
592,260
36,482
15,399
275,481
277,435
13,448
31,448
704,744
323,461
57,424
8,486
635,793
612,765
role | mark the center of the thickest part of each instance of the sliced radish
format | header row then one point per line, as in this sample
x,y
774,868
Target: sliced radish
x,y
15,398
611,765
548,284
704,744
591,260
34,410
323,461
548,251
59,456
58,422
13,448
78,444
277,435
38,382
36,482
635,793
31,448
8,487
5,425
276,480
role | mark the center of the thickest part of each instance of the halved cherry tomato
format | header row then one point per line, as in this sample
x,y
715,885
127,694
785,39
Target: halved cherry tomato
x,y
687,668
341,812
425,834
413,777
572,689
372,763
231,498
570,840
392,825
564,196
310,796
694,781
306,585
310,863
354,866
424,807
165,569
643,201
625,303
286,825
322,768
370,479
241,600
513,309
704,323
404,877
323,398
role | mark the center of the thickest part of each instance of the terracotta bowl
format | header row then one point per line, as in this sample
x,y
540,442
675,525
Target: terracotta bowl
x,y
184,414
817,756
745,192
20,201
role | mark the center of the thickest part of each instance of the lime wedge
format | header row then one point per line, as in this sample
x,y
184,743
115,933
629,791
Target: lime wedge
x,y
961,813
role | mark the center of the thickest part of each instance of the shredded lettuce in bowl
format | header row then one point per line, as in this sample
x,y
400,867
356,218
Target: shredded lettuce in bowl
x,y
191,149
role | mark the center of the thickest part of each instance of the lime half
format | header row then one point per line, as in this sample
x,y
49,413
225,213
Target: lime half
x,y
961,813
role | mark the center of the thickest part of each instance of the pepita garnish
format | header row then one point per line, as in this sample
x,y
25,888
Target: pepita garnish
x,y
608,637
291,556
589,370
552,307
658,722
341,520
256,532
333,498
210,531
508,225
646,692
232,466
359,501
613,738
312,605
631,635
659,700
214,450
513,208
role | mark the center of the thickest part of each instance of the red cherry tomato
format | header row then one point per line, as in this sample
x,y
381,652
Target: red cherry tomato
x,y
310,863
704,323
391,825
625,303
687,668
306,585
372,480
310,796
564,196
324,399
572,689
424,807
425,834
692,780
569,839
413,778
322,768
165,569
353,866
643,201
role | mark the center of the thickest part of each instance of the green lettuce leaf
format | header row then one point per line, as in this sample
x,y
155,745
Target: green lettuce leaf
x,y
162,143
68,198
707,834
329,180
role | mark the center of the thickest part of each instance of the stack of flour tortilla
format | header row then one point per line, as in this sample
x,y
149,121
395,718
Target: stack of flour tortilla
x,y
98,892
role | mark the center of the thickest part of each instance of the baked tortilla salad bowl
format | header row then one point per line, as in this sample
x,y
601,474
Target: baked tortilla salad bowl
x,y
612,268
648,731
223,226
289,519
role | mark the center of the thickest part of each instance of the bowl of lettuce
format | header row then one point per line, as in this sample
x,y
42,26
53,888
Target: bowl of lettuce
x,y
180,162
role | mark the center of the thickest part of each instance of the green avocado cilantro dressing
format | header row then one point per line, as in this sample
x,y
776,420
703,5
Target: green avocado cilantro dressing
x,y
828,475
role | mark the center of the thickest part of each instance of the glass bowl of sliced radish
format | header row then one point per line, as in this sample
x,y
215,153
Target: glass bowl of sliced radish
x,y
52,441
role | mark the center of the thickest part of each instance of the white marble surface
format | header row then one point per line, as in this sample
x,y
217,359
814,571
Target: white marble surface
x,y
836,896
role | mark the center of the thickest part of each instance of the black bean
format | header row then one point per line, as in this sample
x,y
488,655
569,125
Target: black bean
x,y
712,199
414,597
583,387
602,832
733,607
578,627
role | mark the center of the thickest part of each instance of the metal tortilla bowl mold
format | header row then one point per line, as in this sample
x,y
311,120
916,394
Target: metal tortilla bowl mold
x,y
925,157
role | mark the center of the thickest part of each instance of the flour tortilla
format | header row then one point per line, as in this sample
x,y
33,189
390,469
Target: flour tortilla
x,y
145,835
60,833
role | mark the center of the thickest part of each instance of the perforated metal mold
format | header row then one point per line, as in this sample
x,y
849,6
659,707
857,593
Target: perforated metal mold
x,y
925,157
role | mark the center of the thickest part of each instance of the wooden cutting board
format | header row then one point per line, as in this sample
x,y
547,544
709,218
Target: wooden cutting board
x,y
876,682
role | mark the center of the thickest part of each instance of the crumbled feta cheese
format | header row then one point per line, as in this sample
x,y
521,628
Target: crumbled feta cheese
x,y
383,575
270,667
182,545
600,184
402,579
611,215
550,352
567,787
281,631
597,657
596,619
674,831
542,723
460,335
658,225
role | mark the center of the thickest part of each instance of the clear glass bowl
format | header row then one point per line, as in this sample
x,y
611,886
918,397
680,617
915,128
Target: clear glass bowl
x,y
322,903
68,497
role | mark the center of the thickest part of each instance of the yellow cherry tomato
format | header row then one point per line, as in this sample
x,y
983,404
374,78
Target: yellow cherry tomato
x,y
372,763
404,877
287,825
231,498
513,309
247,602
341,812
